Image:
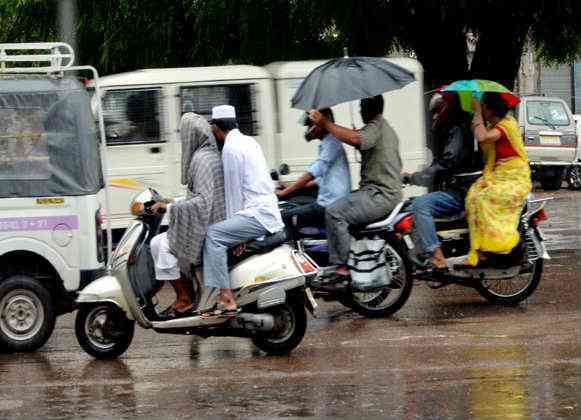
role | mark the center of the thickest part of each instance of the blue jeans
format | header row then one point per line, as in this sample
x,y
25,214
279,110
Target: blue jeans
x,y
425,209
221,237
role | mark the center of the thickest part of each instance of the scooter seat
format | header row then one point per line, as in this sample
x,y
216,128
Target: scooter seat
x,y
267,244
256,247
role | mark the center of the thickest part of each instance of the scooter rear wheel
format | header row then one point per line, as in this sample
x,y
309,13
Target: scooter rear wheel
x,y
290,328
103,330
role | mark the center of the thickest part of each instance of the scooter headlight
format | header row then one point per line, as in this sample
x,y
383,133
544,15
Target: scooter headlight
x,y
144,200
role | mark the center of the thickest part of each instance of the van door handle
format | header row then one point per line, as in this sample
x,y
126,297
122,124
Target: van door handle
x,y
155,150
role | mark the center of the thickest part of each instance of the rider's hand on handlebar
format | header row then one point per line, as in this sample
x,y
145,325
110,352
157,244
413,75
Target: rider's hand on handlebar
x,y
159,208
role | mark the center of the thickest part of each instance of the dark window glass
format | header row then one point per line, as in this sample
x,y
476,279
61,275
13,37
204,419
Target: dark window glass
x,y
201,99
132,116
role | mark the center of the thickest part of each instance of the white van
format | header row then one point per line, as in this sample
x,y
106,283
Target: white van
x,y
51,238
404,109
142,110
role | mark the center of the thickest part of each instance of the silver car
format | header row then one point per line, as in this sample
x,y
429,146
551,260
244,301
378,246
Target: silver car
x,y
549,136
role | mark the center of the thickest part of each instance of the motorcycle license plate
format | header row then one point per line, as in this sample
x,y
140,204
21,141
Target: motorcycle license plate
x,y
550,140
311,302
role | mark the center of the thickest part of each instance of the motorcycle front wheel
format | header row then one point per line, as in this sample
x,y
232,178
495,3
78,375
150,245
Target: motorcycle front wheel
x,y
514,290
103,330
290,321
386,301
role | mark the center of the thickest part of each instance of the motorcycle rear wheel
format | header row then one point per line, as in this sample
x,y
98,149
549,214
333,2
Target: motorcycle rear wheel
x,y
291,325
386,301
512,291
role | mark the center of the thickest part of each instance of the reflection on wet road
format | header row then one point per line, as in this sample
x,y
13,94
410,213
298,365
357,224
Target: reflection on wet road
x,y
447,353
563,229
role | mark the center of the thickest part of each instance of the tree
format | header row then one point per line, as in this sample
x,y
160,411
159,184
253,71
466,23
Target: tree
x,y
121,35
435,31
27,20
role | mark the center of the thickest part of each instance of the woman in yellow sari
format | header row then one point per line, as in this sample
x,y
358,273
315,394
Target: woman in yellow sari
x,y
495,200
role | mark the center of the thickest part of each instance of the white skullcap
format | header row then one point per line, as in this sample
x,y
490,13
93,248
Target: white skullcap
x,y
223,112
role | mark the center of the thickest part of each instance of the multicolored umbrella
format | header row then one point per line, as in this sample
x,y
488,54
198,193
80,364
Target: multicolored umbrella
x,y
466,89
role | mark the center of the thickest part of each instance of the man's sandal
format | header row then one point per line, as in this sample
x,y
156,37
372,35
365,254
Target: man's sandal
x,y
219,311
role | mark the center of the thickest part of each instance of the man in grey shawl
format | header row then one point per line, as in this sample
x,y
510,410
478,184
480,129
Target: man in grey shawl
x,y
189,219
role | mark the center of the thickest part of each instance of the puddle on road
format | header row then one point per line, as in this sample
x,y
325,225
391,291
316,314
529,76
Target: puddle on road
x,y
563,227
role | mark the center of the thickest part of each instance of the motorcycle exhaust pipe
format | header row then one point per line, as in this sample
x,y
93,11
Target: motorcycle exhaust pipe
x,y
253,322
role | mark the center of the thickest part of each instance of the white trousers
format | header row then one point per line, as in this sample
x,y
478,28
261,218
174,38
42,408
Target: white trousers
x,y
166,265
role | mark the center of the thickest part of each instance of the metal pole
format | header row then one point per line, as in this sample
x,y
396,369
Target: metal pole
x,y
67,20
346,55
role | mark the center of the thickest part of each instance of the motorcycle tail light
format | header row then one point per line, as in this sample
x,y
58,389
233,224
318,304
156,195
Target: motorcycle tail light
x,y
538,217
405,224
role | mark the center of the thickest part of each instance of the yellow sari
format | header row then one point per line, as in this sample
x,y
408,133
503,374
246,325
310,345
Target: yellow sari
x,y
495,200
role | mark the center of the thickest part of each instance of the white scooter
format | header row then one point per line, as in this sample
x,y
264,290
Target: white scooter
x,y
268,282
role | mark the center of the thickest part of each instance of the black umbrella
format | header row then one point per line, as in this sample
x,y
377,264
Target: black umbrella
x,y
347,79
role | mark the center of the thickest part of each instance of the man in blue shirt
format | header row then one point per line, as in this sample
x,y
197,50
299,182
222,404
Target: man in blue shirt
x,y
330,172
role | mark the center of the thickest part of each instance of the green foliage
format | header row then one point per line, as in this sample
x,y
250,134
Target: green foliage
x,y
121,35
27,21
557,31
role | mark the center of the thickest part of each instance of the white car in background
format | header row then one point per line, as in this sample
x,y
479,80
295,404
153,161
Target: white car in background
x,y
573,176
549,137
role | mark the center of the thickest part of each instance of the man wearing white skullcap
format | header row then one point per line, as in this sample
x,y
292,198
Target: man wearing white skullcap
x,y
251,205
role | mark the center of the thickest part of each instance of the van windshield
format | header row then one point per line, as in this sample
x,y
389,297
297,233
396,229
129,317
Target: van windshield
x,y
48,142
132,116
23,143
551,113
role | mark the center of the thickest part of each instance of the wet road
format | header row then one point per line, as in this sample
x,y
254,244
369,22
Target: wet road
x,y
447,353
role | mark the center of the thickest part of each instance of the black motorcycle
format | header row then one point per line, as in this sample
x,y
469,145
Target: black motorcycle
x,y
505,279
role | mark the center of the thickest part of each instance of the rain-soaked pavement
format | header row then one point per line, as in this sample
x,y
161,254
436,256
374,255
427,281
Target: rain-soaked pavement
x,y
446,354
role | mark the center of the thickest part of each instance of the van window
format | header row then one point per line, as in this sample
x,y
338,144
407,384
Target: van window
x,y
132,116
550,113
23,144
201,99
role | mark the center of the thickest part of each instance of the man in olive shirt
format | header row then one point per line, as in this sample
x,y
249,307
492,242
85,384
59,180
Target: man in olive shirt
x,y
380,185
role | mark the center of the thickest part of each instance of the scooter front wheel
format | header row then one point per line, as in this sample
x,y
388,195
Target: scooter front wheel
x,y
103,330
290,321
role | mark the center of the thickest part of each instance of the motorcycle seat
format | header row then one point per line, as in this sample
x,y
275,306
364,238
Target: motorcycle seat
x,y
454,218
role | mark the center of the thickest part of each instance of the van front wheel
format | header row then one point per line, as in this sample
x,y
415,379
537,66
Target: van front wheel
x,y
27,314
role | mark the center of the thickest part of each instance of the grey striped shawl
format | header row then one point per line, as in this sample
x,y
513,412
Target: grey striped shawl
x,y
205,204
